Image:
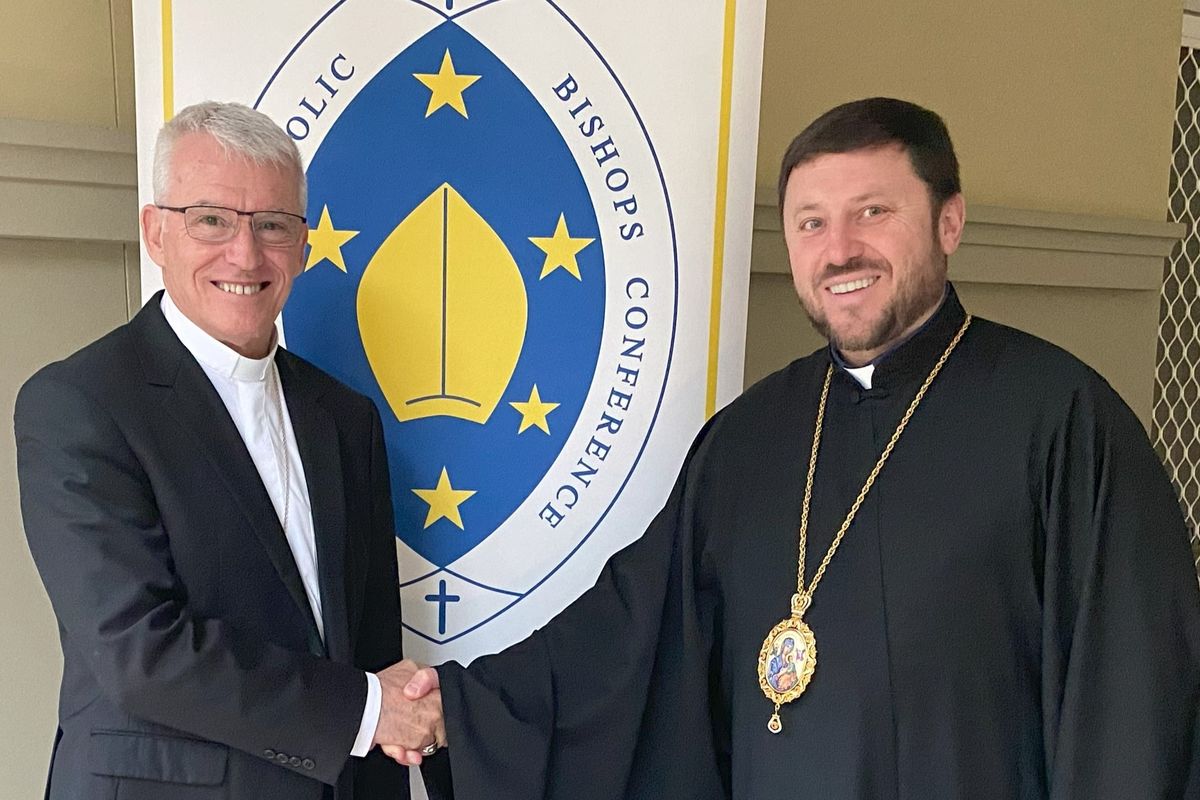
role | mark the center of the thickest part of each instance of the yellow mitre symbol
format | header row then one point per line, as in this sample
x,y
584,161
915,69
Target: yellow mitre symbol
x,y
446,86
442,312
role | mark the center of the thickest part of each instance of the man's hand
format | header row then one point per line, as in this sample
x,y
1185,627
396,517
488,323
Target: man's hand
x,y
422,682
407,723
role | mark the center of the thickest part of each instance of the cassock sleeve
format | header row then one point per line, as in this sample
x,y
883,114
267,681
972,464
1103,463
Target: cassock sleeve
x,y
97,538
612,698
1121,605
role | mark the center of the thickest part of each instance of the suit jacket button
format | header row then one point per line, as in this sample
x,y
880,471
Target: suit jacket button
x,y
309,763
269,753
282,758
294,761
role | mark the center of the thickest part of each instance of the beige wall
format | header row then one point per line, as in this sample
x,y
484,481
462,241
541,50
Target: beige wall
x,y
68,61
1062,107
1059,106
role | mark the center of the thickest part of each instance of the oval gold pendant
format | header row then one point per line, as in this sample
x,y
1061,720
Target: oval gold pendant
x,y
785,664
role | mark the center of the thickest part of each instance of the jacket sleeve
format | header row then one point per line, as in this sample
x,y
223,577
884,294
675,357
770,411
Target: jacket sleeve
x,y
378,636
97,538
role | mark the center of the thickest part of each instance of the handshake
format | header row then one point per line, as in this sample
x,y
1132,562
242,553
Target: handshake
x,y
411,726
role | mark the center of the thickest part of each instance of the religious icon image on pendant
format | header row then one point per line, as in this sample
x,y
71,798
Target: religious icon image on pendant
x,y
787,660
782,671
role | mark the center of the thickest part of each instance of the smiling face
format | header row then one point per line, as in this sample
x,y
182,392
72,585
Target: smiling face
x,y
867,263
232,290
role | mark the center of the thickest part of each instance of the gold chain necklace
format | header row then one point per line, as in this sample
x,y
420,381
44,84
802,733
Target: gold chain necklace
x,y
789,653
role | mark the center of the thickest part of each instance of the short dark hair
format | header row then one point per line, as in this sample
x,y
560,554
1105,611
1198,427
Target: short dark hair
x,y
879,122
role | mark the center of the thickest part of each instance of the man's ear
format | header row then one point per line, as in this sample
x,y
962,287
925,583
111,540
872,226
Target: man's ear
x,y
152,231
951,219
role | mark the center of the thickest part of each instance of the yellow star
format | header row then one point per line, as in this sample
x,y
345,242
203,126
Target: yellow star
x,y
560,249
325,242
446,87
444,501
534,411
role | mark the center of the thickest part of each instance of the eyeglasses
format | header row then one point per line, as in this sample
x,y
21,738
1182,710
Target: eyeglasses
x,y
220,224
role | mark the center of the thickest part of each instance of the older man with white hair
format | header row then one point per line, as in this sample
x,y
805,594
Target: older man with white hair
x,y
210,514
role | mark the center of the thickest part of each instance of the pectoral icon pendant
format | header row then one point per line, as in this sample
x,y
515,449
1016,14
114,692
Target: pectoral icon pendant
x,y
785,664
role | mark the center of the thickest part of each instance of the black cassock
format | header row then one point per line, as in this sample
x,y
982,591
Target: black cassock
x,y
1013,614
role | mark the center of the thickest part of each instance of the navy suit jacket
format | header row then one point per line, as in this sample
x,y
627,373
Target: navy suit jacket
x,y
192,666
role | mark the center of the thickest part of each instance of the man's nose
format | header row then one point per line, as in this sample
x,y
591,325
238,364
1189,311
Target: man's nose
x,y
842,243
243,250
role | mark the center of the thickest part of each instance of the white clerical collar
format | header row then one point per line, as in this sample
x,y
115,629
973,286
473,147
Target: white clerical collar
x,y
219,357
862,374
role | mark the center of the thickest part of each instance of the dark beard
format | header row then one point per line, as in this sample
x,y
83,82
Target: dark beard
x,y
888,328
905,309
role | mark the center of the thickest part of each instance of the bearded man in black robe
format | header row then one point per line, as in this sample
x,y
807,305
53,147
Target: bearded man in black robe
x,y
995,596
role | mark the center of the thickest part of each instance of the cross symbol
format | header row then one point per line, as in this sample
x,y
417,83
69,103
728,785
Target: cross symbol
x,y
441,598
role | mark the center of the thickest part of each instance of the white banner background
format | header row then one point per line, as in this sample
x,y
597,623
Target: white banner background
x,y
673,61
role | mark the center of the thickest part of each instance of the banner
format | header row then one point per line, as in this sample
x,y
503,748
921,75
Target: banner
x,y
529,245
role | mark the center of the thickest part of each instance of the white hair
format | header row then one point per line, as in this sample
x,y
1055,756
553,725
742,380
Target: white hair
x,y
239,129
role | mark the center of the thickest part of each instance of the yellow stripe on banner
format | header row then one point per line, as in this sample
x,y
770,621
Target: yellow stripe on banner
x,y
718,271
168,59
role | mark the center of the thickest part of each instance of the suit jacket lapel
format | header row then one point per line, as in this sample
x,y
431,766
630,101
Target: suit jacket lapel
x,y
196,405
317,440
